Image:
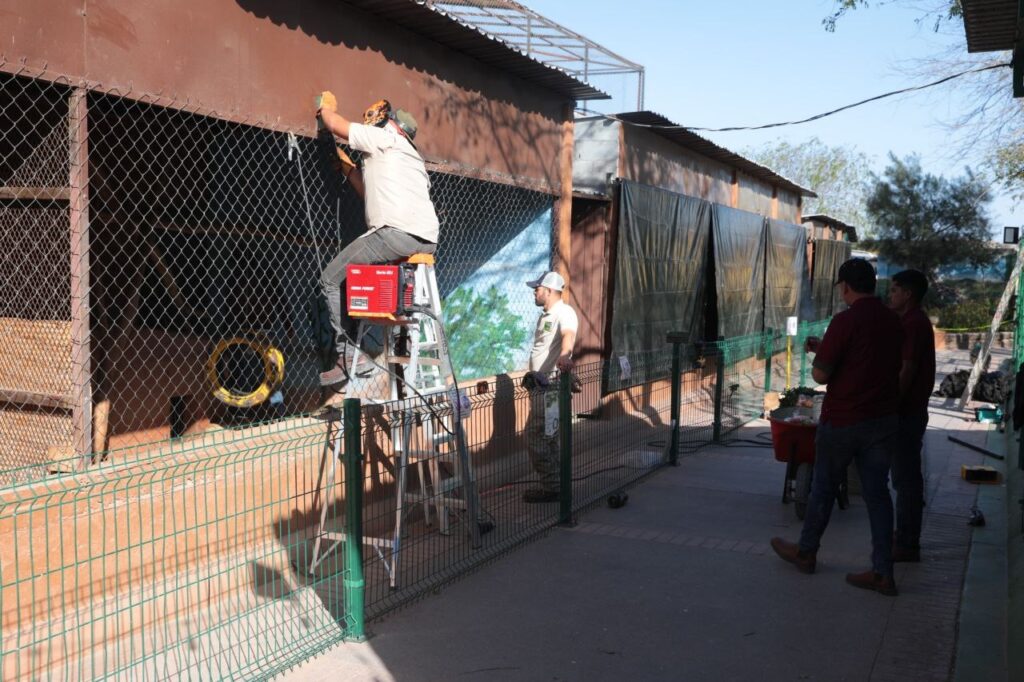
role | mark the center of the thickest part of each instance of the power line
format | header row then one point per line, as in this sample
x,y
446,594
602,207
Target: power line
x,y
811,118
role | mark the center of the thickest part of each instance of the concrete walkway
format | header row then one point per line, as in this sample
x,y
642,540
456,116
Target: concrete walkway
x,y
681,585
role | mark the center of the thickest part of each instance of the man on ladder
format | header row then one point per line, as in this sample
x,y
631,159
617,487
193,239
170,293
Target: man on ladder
x,y
400,218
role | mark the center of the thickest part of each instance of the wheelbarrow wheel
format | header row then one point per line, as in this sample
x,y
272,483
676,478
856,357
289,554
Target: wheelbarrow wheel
x,y
802,489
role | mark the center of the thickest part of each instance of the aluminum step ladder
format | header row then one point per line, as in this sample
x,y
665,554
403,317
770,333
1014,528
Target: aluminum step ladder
x,y
413,376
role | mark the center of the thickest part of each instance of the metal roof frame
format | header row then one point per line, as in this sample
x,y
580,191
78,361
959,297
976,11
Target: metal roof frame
x,y
541,38
450,23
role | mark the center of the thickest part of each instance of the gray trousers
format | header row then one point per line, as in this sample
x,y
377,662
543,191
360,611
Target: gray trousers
x,y
543,448
383,245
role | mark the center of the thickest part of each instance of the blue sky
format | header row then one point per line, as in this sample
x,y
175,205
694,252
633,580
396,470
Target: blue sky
x,y
749,62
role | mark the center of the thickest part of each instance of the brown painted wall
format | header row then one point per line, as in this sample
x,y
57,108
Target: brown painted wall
x,y
754,196
588,292
789,207
264,60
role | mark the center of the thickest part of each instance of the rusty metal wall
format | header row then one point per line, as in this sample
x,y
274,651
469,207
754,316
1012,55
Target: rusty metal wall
x,y
265,60
653,160
589,281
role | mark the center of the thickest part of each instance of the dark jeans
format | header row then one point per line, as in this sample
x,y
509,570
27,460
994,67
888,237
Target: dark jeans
x,y
383,245
871,443
908,481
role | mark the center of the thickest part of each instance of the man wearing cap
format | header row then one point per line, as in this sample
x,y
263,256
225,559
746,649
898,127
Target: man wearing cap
x,y
917,380
859,361
553,342
400,218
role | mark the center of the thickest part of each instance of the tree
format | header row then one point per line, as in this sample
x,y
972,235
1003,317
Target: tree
x,y
839,175
925,221
938,11
994,122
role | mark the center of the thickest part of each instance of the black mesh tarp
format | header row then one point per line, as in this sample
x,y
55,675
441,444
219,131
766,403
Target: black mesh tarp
x,y
785,267
659,275
739,270
828,256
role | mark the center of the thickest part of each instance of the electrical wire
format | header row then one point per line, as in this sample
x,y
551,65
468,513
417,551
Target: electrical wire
x,y
816,117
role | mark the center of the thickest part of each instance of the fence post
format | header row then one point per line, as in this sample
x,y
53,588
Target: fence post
x,y
565,448
802,338
769,346
355,585
676,339
719,380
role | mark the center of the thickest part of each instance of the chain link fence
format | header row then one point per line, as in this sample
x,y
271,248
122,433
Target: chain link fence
x,y
198,246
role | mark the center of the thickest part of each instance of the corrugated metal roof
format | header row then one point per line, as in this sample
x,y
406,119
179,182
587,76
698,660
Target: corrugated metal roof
x,y
834,222
446,29
990,25
695,142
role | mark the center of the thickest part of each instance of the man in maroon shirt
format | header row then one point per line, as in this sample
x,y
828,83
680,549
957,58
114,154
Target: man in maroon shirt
x,y
859,361
917,380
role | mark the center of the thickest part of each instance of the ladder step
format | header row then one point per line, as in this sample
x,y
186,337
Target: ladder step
x,y
405,360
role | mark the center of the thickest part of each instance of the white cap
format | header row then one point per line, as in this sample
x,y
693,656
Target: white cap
x,y
551,280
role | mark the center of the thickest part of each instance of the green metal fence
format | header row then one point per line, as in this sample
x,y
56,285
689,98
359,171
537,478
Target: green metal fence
x,y
289,535
749,367
1018,336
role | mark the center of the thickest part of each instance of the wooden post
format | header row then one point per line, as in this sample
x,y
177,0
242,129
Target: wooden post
x,y
81,366
997,319
775,202
563,221
734,197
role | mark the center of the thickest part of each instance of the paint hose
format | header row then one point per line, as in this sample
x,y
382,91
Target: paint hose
x,y
273,372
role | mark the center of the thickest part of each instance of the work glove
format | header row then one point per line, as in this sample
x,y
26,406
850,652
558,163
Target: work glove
x,y
326,100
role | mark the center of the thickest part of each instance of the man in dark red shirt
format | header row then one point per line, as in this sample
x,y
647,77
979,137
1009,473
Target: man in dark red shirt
x,y
917,380
859,361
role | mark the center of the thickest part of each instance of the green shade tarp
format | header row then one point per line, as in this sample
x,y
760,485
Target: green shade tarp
x,y
739,243
786,262
660,270
828,256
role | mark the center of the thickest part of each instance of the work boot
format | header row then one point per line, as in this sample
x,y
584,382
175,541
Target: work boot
x,y
805,562
538,496
910,555
869,580
338,374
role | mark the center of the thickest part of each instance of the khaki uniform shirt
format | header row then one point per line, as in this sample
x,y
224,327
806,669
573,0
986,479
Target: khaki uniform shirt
x,y
547,339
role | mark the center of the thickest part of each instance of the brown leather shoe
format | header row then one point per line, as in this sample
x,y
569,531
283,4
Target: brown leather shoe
x,y
805,562
869,580
910,555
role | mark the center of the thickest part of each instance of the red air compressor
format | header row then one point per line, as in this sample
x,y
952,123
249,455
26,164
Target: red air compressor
x,y
380,291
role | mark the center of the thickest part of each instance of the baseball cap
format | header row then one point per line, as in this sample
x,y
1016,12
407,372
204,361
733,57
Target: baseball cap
x,y
858,274
551,280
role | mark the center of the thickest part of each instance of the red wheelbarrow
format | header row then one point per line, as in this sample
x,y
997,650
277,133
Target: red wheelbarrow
x,y
793,443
